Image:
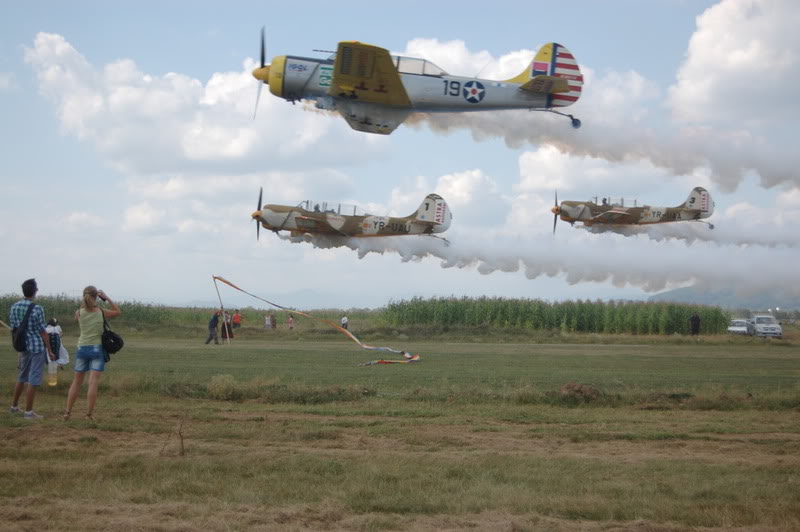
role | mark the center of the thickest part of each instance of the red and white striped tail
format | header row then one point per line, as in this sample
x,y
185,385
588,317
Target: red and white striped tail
x,y
562,64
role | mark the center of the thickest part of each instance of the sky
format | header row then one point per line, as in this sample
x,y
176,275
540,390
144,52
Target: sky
x,y
131,159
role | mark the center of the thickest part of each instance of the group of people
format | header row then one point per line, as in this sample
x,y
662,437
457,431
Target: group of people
x,y
90,357
270,322
229,323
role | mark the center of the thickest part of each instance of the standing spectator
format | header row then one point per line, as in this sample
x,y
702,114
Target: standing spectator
x,y
237,319
227,329
54,331
290,322
344,322
91,355
267,321
37,349
273,322
694,324
212,328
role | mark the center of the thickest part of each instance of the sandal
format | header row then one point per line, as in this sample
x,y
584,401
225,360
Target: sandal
x,y
66,415
90,417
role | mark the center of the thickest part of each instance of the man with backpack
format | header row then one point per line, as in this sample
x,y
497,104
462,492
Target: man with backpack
x,y
30,316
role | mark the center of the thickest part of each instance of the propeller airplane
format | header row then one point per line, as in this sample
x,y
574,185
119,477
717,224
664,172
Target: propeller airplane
x,y
375,91
308,217
697,206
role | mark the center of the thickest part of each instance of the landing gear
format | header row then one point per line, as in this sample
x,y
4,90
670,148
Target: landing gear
x,y
576,123
443,239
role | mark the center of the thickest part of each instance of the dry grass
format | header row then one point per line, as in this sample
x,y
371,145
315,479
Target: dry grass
x,y
419,452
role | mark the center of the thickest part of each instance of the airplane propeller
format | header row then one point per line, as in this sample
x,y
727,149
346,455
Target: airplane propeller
x,y
257,214
556,210
260,70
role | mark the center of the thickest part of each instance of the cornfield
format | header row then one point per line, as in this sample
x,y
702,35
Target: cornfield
x,y
612,317
137,314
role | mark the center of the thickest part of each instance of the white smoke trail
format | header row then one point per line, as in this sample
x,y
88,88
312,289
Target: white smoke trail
x,y
729,157
651,267
756,235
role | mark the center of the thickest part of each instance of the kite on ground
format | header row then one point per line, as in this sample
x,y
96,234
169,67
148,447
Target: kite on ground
x,y
407,357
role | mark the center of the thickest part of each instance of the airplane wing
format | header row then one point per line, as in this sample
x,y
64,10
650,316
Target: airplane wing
x,y
372,119
366,73
313,225
546,85
613,216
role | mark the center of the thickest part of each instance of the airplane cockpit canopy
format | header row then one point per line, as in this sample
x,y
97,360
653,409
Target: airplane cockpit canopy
x,y
415,65
617,202
331,207
411,65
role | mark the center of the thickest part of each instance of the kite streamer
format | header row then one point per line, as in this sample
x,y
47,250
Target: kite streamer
x,y
407,357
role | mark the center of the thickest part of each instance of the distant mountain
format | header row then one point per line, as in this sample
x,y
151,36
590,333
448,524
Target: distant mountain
x,y
728,299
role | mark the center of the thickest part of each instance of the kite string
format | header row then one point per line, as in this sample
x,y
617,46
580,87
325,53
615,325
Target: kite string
x,y
328,322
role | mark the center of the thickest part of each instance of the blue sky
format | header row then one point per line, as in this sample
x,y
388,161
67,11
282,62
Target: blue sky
x,y
132,162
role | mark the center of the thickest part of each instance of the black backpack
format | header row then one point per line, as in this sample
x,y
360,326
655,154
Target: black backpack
x,y
18,334
112,342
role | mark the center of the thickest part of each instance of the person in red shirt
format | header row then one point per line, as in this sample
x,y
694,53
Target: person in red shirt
x,y
237,319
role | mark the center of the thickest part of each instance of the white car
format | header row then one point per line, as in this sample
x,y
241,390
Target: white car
x,y
764,325
738,327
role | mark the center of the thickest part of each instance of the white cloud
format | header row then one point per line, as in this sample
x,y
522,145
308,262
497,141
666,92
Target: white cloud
x,y
548,169
461,188
142,217
144,124
455,58
742,65
790,198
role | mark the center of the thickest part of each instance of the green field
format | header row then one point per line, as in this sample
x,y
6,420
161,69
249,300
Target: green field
x,y
288,432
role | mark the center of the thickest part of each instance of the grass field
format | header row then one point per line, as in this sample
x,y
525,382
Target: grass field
x,y
288,432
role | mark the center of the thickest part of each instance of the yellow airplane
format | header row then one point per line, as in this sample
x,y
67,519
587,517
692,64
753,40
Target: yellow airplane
x,y
697,206
310,217
375,91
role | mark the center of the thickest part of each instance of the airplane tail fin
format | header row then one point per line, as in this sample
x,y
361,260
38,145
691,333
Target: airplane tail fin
x,y
700,199
434,210
552,64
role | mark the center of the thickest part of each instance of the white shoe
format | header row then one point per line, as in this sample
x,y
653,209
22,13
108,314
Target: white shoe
x,y
14,410
32,415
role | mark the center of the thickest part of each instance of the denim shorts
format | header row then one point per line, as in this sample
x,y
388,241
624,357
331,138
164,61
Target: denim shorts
x,y
30,367
90,357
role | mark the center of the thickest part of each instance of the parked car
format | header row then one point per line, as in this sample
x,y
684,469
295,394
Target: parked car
x,y
738,327
764,325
